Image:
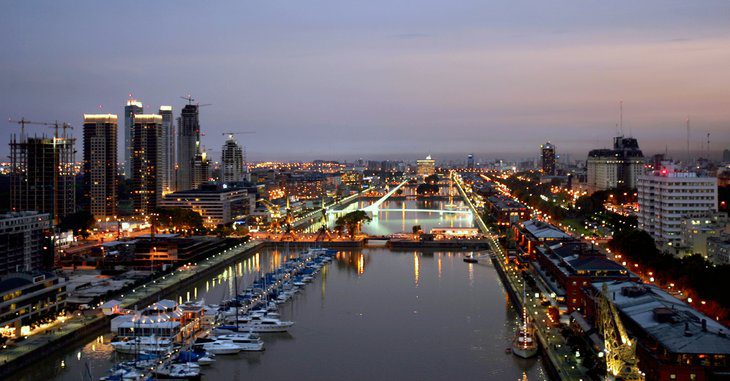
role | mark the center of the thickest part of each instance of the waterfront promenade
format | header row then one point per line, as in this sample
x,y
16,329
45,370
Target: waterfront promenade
x,y
562,360
81,326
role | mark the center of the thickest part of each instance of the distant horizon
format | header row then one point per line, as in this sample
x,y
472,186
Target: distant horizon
x,y
380,78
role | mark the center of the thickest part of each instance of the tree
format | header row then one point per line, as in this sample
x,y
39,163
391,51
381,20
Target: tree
x,y
352,222
179,219
80,222
416,229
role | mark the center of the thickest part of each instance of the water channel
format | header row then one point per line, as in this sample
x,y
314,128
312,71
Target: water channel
x,y
373,314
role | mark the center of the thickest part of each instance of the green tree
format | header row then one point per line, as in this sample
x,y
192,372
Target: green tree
x,y
179,219
352,221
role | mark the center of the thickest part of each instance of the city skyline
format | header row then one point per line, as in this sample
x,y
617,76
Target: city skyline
x,y
335,79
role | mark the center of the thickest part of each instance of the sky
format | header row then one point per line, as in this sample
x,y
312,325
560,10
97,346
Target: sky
x,y
381,79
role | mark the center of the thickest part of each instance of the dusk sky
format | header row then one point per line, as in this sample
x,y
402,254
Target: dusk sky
x,y
381,79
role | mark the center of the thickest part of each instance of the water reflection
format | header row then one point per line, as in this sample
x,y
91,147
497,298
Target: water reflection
x,y
352,261
416,268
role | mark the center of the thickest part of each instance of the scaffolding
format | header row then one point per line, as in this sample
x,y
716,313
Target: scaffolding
x,y
42,174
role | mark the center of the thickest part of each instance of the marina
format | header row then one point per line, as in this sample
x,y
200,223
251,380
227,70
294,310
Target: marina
x,y
373,300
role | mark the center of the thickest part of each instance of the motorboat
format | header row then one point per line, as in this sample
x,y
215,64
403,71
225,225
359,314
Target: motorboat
x,y
173,371
147,344
221,347
247,341
266,325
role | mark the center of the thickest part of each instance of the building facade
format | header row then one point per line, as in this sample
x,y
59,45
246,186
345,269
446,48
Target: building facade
x,y
615,168
147,187
42,175
23,241
217,204
426,167
548,159
231,161
100,164
167,150
188,140
132,108
27,297
668,196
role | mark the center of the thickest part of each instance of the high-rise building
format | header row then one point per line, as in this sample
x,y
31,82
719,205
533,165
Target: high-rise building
x,y
147,187
201,170
231,161
100,164
470,161
24,240
167,151
548,159
726,156
132,108
615,168
188,140
425,167
42,175
668,196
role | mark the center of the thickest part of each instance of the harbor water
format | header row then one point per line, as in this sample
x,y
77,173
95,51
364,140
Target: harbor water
x,y
372,314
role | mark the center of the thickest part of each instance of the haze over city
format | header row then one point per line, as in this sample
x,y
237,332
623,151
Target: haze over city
x,y
365,190
342,80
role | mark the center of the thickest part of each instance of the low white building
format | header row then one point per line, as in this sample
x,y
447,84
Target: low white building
x,y
696,231
668,196
217,204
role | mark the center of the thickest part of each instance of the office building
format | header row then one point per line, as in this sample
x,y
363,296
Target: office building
x,y
24,240
425,167
28,297
167,150
145,162
188,140
100,164
548,159
218,204
470,161
231,161
200,170
669,196
132,108
718,249
615,168
42,175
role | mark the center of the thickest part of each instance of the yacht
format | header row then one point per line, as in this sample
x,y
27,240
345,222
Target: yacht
x,y
525,343
186,371
221,347
266,325
147,344
247,341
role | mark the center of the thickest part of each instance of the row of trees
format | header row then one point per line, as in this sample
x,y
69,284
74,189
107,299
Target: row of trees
x,y
694,274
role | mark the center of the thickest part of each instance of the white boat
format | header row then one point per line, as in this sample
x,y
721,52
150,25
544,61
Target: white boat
x,y
220,347
247,341
266,325
185,371
148,344
525,344
123,373
206,360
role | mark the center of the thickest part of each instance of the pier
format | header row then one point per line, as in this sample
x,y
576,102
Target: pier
x,y
561,361
81,328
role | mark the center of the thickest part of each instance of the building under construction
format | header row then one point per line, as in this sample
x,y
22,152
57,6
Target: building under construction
x,y
42,177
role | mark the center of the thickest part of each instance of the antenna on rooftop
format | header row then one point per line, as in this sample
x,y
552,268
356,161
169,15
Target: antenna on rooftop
x,y
621,116
688,155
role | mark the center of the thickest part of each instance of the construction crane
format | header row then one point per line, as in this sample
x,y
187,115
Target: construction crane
x,y
619,348
190,100
230,134
55,125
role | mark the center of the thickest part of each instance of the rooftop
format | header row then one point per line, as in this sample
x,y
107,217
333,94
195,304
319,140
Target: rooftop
x,y
675,325
543,230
